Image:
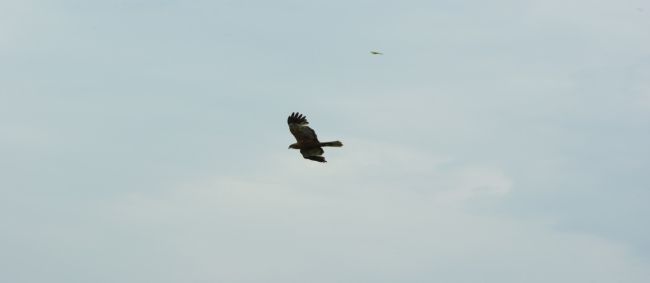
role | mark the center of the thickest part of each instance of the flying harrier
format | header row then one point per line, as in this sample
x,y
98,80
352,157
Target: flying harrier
x,y
306,138
376,53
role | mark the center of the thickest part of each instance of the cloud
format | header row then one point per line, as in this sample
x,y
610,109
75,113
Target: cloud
x,y
493,142
318,223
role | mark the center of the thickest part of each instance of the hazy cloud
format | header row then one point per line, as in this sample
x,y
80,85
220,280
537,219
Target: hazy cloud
x,y
493,142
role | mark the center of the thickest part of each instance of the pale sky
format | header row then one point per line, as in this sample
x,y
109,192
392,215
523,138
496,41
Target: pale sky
x,y
494,141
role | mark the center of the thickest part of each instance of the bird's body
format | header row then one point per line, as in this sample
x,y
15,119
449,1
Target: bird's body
x,y
376,53
306,139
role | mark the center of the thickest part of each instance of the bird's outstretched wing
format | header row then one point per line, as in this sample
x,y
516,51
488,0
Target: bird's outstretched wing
x,y
315,154
299,128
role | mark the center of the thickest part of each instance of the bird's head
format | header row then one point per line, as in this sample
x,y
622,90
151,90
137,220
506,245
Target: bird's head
x,y
294,146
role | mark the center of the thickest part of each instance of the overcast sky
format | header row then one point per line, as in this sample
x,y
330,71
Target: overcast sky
x,y
494,141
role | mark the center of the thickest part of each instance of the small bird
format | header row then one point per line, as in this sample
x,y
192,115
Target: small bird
x,y
376,53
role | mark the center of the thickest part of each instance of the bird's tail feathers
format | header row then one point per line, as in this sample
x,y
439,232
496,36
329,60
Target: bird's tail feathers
x,y
332,143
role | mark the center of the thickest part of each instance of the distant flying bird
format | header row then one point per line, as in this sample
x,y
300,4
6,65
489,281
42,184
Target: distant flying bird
x,y
376,53
306,138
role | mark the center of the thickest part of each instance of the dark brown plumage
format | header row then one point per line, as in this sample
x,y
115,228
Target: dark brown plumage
x,y
306,139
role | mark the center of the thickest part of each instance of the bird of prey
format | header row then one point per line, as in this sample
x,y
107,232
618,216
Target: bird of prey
x,y
376,53
306,138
